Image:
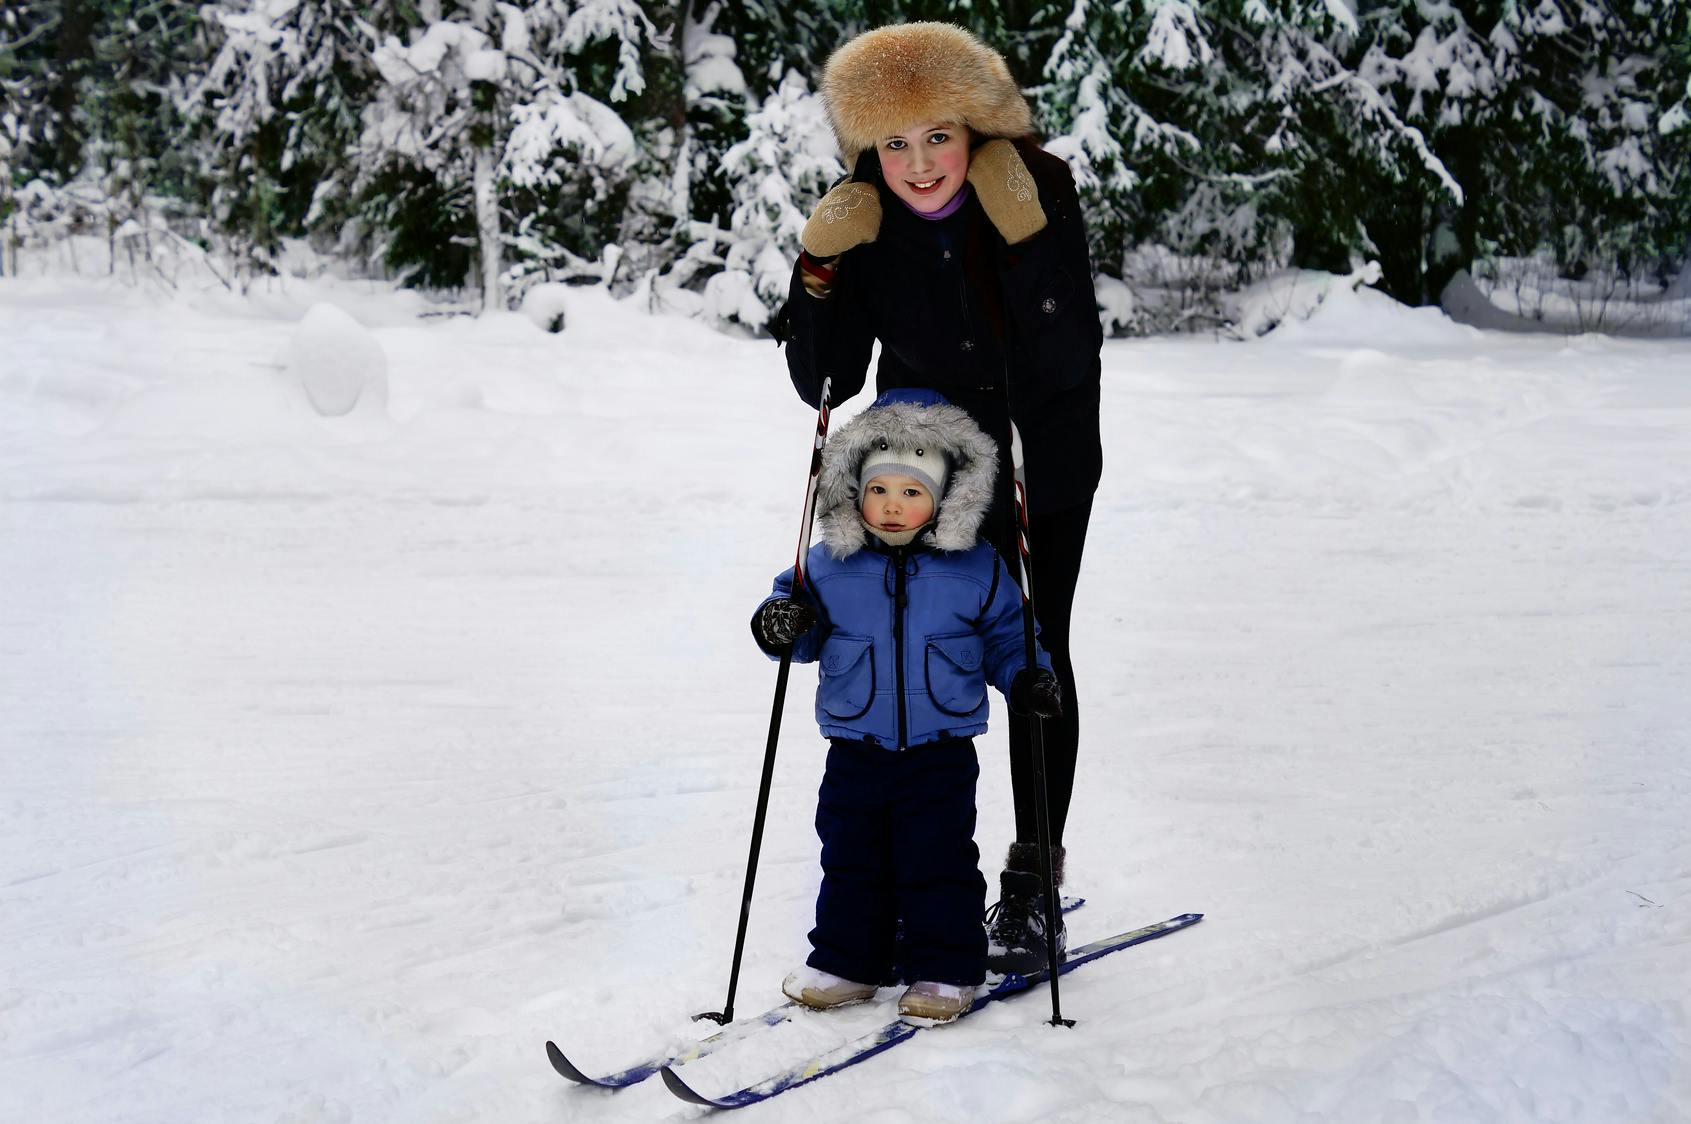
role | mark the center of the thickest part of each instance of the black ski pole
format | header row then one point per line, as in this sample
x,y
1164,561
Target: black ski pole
x,y
726,1015
1036,731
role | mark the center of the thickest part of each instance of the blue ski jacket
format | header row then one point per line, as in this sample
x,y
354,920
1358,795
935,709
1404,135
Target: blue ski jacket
x,y
908,639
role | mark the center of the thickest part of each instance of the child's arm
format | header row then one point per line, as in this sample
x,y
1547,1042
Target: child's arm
x,y
1001,629
789,611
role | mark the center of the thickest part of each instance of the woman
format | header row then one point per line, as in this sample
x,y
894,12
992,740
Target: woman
x,y
958,244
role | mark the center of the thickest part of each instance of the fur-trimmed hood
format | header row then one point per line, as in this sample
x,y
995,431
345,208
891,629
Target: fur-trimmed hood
x,y
918,419
892,78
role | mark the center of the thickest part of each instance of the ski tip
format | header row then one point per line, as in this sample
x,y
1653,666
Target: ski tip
x,y
686,1092
564,1066
569,1069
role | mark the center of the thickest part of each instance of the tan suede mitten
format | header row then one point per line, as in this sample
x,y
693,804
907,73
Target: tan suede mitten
x,y
847,216
1007,191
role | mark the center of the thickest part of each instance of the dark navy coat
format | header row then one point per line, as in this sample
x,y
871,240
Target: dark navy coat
x,y
958,311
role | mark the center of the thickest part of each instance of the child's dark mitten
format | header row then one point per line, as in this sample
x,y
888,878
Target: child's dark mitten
x,y
1037,692
784,620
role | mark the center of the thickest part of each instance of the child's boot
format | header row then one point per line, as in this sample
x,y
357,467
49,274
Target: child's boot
x,y
821,990
927,1003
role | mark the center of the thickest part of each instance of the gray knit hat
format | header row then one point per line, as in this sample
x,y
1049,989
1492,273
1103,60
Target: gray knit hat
x,y
926,466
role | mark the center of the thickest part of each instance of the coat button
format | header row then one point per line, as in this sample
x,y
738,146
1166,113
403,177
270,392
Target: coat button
x,y
1048,305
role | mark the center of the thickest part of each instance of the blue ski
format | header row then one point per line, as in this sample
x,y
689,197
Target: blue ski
x,y
890,1035
635,1074
729,1034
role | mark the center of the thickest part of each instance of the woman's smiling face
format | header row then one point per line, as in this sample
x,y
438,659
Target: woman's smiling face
x,y
926,167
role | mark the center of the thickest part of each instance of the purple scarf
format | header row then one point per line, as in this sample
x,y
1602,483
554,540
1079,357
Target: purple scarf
x,y
944,212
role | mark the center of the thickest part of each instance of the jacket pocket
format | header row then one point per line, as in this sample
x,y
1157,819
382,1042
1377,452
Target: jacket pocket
x,y
847,686
955,681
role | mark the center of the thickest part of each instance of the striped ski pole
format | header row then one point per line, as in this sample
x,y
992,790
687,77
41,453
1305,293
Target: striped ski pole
x,y
1036,728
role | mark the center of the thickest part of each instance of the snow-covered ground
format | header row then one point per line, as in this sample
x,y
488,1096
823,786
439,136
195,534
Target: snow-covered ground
x,y
343,761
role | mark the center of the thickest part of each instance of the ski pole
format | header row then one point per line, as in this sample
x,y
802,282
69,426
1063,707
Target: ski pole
x,y
1036,730
726,1015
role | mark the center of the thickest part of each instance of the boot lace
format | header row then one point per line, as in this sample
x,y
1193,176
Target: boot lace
x,y
1009,920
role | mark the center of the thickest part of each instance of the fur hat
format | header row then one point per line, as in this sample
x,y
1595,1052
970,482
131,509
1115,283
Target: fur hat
x,y
892,78
908,419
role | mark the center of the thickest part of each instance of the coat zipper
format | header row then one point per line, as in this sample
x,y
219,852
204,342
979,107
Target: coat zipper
x,y
900,600
972,340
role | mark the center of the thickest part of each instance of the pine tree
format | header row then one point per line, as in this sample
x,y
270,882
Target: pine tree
x,y
47,61
654,222
1608,183
717,93
1230,131
1550,116
785,164
429,142
1091,103
275,114
26,31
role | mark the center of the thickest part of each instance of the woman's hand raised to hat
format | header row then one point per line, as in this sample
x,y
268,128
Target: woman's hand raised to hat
x,y
1006,190
847,216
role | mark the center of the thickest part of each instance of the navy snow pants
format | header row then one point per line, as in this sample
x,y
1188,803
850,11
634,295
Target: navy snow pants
x,y
898,845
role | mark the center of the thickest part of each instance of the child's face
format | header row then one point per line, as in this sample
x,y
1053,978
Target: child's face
x,y
896,503
927,166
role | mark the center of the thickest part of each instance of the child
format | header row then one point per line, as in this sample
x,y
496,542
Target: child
x,y
910,616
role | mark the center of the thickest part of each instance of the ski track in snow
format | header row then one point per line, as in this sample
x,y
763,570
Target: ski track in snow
x,y
345,761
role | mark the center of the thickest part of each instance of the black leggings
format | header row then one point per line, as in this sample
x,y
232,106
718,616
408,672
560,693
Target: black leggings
x,y
1055,543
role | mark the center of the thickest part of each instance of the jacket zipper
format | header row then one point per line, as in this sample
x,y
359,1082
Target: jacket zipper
x,y
899,602
972,340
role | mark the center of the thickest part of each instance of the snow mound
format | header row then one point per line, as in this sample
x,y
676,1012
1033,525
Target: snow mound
x,y
1116,304
1366,318
546,306
1306,307
337,362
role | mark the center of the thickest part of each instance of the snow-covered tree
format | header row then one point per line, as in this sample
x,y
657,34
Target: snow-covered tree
x,y
717,95
1223,129
46,61
276,113
143,51
780,170
480,125
1609,182
1090,105
1554,116
438,112
20,29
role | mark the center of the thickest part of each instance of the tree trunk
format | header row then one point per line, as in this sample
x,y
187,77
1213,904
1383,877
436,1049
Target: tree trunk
x,y
1453,241
1397,227
487,229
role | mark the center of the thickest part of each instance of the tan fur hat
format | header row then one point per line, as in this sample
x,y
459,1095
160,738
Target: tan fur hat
x,y
892,78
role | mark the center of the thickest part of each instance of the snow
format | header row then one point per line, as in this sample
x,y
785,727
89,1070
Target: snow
x,y
547,306
484,65
582,127
1169,42
337,362
343,761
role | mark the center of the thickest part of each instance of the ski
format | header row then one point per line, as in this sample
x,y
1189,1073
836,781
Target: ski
x,y
732,1033
890,1035
635,1074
